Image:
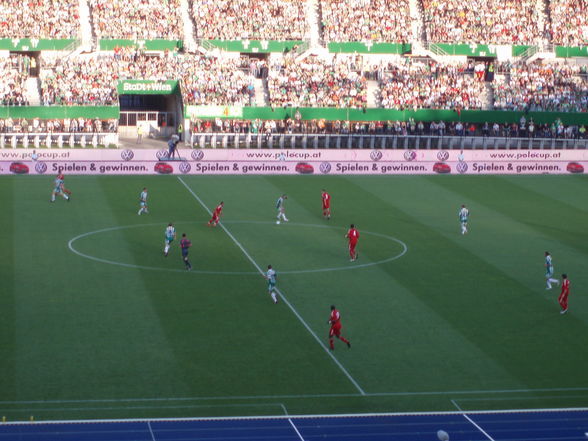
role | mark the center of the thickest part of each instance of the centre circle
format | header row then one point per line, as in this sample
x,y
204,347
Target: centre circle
x,y
196,271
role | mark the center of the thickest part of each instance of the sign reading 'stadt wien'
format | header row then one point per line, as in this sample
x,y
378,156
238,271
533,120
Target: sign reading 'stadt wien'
x,y
137,87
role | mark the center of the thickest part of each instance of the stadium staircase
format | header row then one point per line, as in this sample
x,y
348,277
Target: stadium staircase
x,y
86,32
190,44
313,45
261,93
417,21
32,87
372,94
487,97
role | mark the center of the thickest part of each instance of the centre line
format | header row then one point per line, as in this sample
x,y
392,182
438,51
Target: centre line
x,y
280,293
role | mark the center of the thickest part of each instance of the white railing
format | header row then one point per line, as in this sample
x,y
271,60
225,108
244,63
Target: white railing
x,y
60,140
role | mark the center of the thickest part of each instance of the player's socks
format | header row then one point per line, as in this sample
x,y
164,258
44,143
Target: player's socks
x,y
331,344
139,212
344,340
166,250
274,297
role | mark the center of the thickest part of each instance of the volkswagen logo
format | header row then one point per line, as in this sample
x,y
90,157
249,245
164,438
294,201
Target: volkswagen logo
x,y
185,167
161,154
197,155
410,155
443,155
376,155
325,167
127,154
461,167
40,167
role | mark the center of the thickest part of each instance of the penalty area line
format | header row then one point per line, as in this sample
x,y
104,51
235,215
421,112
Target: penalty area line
x,y
281,294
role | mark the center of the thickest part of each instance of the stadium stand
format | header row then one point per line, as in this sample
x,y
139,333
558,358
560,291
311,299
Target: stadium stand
x,y
430,86
39,19
316,82
542,87
137,19
93,80
569,20
14,71
482,21
256,20
366,20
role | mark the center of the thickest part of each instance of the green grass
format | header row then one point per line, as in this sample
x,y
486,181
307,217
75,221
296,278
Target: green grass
x,y
462,318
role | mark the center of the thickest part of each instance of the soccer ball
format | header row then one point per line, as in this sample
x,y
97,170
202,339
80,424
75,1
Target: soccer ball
x,y
277,222
442,435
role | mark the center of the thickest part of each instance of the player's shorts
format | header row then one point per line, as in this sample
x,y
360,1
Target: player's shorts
x,y
549,272
169,240
58,189
352,245
184,252
214,218
271,285
335,330
326,206
142,203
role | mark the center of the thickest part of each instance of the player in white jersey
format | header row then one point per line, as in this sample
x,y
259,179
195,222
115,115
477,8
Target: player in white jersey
x,y
170,235
549,271
463,214
59,188
280,206
271,276
143,202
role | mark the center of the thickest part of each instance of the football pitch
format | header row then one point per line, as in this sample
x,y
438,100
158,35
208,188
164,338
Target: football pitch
x,y
96,323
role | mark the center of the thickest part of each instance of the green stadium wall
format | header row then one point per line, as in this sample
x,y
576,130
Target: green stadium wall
x,y
308,113
369,48
255,46
60,112
32,44
570,52
150,45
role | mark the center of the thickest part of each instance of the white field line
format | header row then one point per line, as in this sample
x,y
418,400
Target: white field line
x,y
298,396
295,429
295,417
472,421
232,273
282,296
151,431
478,427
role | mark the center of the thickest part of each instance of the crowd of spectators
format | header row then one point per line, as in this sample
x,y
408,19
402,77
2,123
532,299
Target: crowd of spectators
x,y
93,80
37,19
542,87
366,20
12,86
431,86
137,19
315,82
482,21
67,125
293,125
250,20
569,22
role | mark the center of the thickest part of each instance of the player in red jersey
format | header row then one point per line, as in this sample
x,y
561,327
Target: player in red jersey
x,y
216,215
326,204
565,292
353,236
335,331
